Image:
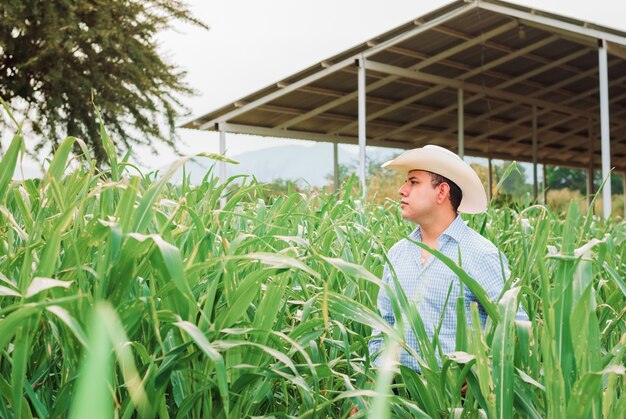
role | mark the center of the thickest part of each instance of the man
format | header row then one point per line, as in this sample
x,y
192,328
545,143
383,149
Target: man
x,y
439,185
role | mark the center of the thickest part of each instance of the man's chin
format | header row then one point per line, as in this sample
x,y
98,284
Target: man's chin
x,y
408,217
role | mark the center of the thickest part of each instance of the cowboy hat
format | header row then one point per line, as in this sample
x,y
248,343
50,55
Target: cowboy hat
x,y
445,163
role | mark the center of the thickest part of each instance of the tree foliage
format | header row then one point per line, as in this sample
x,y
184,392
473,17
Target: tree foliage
x,y
54,55
559,177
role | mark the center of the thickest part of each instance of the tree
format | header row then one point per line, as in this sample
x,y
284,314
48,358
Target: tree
x,y
576,179
558,177
54,54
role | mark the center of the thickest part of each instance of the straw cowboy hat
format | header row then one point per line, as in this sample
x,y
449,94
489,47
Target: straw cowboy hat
x,y
443,162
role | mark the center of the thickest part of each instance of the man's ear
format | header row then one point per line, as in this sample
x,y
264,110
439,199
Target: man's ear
x,y
443,192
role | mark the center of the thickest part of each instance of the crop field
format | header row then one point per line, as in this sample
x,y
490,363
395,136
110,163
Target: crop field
x,y
122,295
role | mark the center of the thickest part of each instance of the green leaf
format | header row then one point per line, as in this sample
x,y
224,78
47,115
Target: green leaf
x,y
70,322
39,284
387,368
92,397
278,261
351,310
483,367
205,346
8,164
503,349
10,324
8,292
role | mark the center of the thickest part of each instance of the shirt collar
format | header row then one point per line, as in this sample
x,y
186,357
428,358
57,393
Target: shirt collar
x,y
454,231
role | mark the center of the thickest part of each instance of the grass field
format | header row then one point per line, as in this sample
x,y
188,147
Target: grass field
x,y
122,295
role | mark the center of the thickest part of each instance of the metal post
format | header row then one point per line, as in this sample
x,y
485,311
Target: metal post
x,y
362,116
545,185
222,164
336,166
605,134
590,190
461,124
624,191
489,179
535,175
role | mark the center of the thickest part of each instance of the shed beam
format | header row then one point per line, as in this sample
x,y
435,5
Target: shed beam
x,y
496,74
491,92
553,24
465,76
541,113
545,128
507,83
574,141
349,118
390,79
303,135
505,48
492,73
454,83
538,94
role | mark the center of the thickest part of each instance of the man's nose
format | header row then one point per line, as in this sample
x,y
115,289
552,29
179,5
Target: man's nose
x,y
402,190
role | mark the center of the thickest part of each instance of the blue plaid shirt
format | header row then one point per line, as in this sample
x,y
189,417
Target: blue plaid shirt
x,y
427,286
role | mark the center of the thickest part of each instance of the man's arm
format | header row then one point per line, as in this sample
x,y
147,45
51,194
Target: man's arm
x,y
384,306
494,271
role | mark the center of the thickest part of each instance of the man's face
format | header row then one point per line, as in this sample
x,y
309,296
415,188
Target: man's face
x,y
419,198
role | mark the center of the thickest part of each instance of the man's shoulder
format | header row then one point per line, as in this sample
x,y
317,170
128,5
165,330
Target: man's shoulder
x,y
400,249
479,243
399,246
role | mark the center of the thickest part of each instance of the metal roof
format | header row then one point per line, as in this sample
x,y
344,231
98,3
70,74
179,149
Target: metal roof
x,y
507,59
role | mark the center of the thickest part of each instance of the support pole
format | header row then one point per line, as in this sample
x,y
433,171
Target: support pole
x,y
624,191
461,124
605,134
590,190
222,164
362,120
489,179
535,175
545,185
336,167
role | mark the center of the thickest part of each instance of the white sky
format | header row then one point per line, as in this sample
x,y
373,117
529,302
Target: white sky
x,y
254,43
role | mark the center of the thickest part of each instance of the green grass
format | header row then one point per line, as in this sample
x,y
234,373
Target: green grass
x,y
123,295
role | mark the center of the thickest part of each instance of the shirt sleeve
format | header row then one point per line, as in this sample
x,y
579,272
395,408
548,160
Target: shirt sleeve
x,y
493,271
384,306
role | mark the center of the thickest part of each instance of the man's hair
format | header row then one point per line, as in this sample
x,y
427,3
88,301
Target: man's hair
x,y
455,192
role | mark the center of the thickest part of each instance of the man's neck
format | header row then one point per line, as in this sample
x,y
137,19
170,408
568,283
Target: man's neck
x,y
431,231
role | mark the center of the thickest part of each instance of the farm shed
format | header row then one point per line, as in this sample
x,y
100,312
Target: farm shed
x,y
484,78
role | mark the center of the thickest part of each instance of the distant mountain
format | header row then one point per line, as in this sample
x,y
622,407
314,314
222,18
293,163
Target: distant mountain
x,y
308,164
